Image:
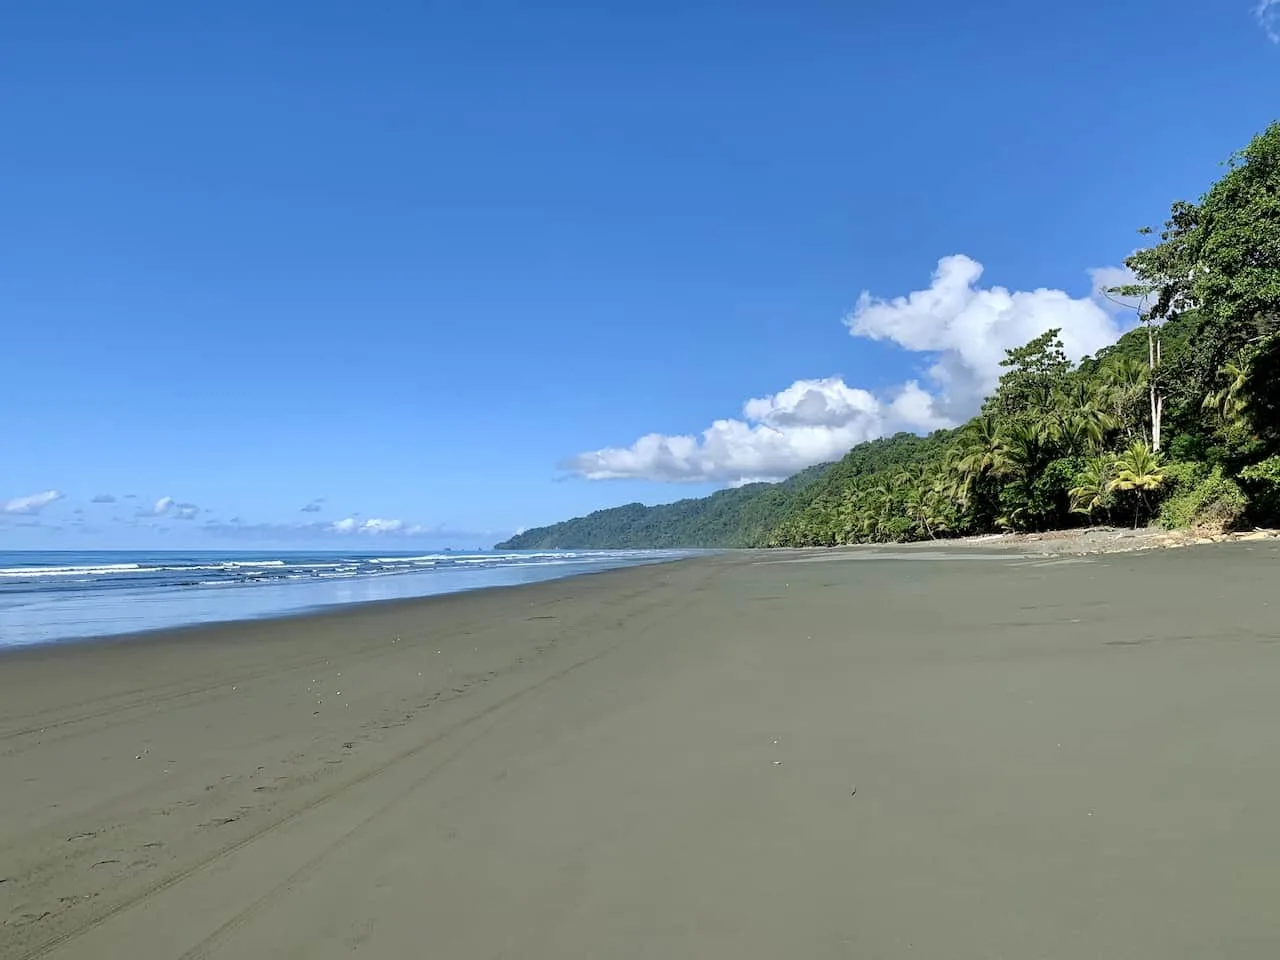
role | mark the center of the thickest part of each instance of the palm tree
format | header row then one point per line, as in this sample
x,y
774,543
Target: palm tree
x,y
924,500
984,451
1080,419
1093,488
1027,447
1126,379
1079,435
1229,402
1137,469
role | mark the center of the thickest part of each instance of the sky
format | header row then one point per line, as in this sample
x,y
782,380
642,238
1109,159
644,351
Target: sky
x,y
426,273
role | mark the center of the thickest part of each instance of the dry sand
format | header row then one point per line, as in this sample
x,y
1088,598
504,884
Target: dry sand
x,y
875,754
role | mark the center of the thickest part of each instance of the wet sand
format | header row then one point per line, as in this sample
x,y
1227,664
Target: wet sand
x,y
870,753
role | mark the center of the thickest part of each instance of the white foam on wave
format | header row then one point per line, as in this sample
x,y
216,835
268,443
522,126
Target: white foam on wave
x,y
103,568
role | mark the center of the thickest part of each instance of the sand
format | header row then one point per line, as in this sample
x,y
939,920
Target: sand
x,y
868,753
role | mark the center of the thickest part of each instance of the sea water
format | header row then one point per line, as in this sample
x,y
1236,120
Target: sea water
x,y
56,595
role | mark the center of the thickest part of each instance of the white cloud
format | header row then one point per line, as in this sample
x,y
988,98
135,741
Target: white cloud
x,y
808,422
967,330
961,329
1267,13
373,525
378,525
169,507
32,504
1106,278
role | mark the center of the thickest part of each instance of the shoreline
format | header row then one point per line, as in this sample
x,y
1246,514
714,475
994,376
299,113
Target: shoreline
x,y
749,755
194,631
191,607
1094,541
1078,542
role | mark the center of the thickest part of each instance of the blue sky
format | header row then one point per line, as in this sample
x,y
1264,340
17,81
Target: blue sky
x,y
429,268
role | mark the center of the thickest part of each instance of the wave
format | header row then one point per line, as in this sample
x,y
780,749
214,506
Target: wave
x,y
70,571
174,572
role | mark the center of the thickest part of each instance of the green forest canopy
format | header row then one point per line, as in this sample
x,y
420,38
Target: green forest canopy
x,y
1179,421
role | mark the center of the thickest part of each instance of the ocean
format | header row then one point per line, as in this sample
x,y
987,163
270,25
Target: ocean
x,y
51,595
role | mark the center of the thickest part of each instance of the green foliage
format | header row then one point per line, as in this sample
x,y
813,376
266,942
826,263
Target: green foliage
x,y
741,517
1091,492
1035,372
1262,394
1212,501
1138,473
1058,444
1138,469
1262,483
1181,475
879,491
1220,259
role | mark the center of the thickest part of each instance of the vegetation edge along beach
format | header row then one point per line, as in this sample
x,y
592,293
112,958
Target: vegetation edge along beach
x,y
1176,424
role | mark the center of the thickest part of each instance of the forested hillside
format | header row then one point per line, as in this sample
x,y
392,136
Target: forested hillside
x,y
1178,422
740,517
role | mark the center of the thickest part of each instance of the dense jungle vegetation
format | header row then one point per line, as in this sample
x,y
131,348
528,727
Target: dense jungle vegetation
x,y
1178,422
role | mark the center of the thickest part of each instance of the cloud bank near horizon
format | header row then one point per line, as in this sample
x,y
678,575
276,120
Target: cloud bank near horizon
x,y
375,528
158,516
961,329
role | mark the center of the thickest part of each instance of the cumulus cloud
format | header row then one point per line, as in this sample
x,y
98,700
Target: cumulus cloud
x,y
103,498
314,506
1267,13
30,504
808,422
967,329
961,330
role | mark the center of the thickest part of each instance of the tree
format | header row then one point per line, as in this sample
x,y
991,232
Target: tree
x,y
1092,491
1151,320
1126,381
1221,258
1035,372
1138,470
1229,402
1197,381
983,450
1262,390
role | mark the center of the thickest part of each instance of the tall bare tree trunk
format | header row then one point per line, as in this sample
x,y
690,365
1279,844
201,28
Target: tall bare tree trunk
x,y
1157,399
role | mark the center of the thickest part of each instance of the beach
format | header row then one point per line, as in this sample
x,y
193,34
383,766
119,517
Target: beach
x,y
871,752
